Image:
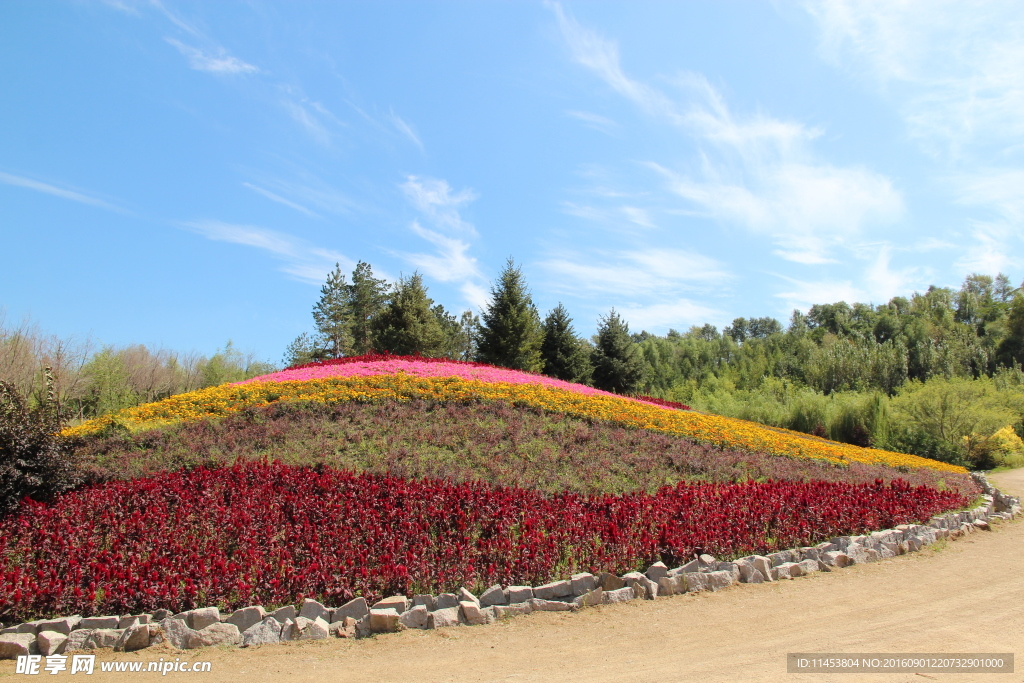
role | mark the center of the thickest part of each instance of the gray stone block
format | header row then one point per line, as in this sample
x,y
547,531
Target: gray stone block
x,y
266,632
247,617
426,600
583,583
625,594
14,645
518,594
493,596
215,634
50,642
415,617
135,637
542,605
656,571
446,601
443,618
555,589
313,610
99,622
384,620
310,629
502,611
65,625
357,609
283,614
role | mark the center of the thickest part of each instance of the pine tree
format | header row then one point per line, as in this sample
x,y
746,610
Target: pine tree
x,y
408,325
618,364
301,351
367,296
565,355
333,315
511,333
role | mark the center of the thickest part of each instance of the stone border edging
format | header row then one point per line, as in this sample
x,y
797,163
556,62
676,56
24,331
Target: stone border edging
x,y
249,626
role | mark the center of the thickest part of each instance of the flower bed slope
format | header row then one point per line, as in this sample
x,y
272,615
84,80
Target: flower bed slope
x,y
394,379
489,441
259,533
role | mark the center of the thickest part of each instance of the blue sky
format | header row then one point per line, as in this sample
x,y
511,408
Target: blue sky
x,y
183,173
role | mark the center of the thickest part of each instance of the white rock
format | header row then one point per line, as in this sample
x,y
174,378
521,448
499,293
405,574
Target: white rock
x,y
718,580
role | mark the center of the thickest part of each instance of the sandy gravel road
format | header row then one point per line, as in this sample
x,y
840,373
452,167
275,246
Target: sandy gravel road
x,y
966,596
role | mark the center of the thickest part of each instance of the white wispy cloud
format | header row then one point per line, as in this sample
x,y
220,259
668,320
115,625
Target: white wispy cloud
x,y
301,260
175,19
63,193
993,250
308,121
660,317
435,199
280,200
405,129
803,293
594,121
219,62
756,171
955,70
450,263
638,272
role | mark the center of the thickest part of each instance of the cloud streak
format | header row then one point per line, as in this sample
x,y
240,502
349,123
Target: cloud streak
x,y
219,63
46,188
281,200
756,171
301,260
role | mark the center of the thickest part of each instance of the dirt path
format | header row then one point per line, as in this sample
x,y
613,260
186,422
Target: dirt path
x,y
965,597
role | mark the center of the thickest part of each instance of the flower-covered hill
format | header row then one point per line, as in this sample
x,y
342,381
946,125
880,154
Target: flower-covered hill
x,y
420,417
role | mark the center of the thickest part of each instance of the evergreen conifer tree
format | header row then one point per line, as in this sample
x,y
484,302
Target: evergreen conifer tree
x,y
618,364
333,315
565,355
408,325
511,332
367,296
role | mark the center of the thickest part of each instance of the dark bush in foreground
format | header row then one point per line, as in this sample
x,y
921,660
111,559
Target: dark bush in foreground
x,y
34,461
